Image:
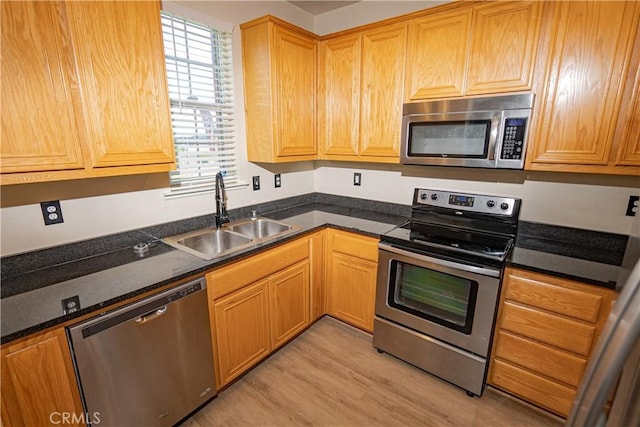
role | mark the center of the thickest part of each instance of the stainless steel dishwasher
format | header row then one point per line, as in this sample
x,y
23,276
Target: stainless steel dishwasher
x,y
149,363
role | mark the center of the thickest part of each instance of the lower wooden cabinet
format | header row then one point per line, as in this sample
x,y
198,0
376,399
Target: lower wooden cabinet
x,y
546,330
242,332
352,265
259,304
38,382
253,321
289,303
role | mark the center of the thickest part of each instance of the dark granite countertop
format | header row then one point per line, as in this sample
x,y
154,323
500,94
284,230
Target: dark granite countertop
x,y
586,256
105,271
31,301
581,270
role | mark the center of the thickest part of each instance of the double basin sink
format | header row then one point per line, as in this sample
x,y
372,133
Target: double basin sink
x,y
210,243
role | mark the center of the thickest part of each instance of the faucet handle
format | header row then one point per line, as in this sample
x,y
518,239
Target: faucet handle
x,y
254,214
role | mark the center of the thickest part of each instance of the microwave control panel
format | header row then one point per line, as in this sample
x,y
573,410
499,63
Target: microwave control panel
x,y
513,138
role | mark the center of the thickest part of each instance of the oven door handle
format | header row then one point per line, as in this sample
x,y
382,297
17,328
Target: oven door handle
x,y
486,271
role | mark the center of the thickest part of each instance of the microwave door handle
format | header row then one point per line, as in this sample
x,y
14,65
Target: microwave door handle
x,y
494,134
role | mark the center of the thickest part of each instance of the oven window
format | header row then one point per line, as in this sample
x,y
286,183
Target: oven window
x,y
465,138
442,298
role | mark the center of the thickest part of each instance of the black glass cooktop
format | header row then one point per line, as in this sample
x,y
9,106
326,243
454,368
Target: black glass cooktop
x,y
451,241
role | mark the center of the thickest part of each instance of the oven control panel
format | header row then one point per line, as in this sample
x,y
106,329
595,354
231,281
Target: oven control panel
x,y
465,202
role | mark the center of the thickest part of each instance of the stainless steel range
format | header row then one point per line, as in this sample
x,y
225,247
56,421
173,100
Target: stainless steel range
x,y
439,281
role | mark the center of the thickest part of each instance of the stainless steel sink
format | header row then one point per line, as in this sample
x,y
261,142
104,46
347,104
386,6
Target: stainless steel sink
x,y
260,228
210,243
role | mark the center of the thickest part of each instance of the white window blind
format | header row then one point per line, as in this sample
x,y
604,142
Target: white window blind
x,y
200,76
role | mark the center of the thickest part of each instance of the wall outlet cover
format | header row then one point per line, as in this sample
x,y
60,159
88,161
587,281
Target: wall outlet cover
x,y
71,305
277,180
256,183
51,212
357,179
633,206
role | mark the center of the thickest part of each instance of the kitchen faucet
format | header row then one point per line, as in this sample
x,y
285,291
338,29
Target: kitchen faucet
x,y
221,202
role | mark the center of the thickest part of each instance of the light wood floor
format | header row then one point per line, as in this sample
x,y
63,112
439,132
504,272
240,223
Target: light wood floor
x,y
332,376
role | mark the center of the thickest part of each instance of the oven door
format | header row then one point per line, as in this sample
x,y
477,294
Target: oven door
x,y
453,302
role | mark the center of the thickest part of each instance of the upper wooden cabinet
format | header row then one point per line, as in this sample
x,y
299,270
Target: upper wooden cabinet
x,y
125,101
472,50
383,62
339,103
437,55
279,63
84,91
40,130
628,135
361,87
583,125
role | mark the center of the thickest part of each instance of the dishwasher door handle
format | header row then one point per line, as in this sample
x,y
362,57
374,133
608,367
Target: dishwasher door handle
x,y
151,315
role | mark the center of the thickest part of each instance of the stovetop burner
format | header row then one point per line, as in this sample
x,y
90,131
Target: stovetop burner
x,y
469,226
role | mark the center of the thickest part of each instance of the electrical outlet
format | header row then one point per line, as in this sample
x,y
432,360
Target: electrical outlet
x,y
51,212
357,178
71,305
277,181
256,183
633,206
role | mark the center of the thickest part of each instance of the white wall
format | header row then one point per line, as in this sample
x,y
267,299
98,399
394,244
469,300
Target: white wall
x,y
582,201
590,202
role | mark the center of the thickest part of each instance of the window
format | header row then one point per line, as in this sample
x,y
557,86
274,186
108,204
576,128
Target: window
x,y
200,76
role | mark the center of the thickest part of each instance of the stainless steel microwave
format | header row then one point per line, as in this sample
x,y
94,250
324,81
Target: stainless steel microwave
x,y
485,132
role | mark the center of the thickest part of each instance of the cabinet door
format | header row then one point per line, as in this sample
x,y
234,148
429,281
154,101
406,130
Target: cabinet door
x,y
351,286
383,60
629,139
503,47
340,92
39,125
124,85
590,49
437,55
629,153
38,381
289,302
294,91
242,330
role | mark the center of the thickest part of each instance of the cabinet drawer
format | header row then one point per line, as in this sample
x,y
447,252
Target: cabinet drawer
x,y
353,244
233,277
557,364
533,388
552,297
548,328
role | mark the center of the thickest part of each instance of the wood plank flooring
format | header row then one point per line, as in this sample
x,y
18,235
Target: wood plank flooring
x,y
332,376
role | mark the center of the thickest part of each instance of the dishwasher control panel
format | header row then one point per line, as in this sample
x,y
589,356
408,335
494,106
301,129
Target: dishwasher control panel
x,y
183,292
